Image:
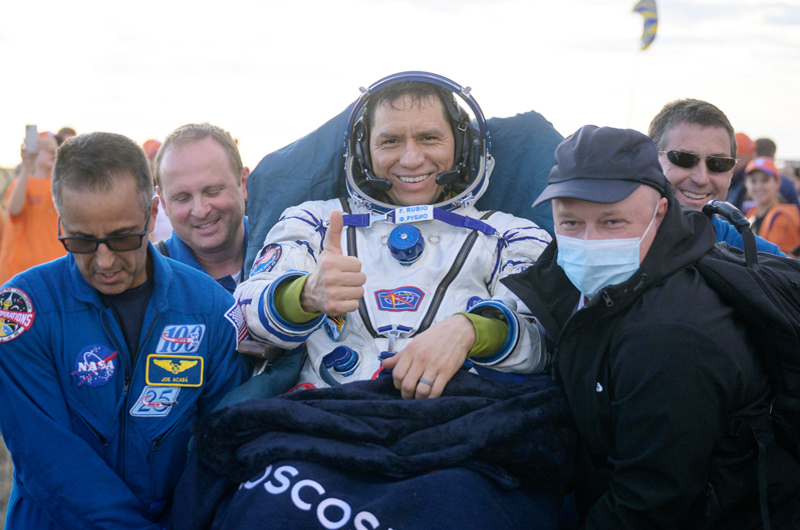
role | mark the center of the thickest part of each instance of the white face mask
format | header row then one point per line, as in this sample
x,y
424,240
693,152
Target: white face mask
x,y
592,264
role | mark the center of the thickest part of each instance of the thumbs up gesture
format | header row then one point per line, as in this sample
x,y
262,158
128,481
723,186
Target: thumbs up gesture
x,y
337,283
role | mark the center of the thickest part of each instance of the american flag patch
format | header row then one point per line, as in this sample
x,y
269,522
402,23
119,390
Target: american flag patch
x,y
235,317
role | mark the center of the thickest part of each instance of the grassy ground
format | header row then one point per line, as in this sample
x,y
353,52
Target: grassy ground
x,y
5,480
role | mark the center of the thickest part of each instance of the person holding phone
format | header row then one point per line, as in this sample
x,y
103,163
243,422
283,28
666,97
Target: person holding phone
x,y
30,232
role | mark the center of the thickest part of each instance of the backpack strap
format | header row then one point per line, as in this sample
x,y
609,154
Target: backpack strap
x,y
162,247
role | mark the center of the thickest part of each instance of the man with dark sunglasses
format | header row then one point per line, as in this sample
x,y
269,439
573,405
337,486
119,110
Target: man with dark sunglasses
x,y
108,354
697,150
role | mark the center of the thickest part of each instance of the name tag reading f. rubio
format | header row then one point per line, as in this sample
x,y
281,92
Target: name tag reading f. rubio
x,y
413,214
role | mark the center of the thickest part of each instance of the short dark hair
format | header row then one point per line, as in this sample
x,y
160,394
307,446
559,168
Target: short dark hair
x,y
765,147
417,91
96,161
193,132
689,111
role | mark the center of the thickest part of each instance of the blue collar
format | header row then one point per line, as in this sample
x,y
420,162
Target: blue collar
x,y
180,251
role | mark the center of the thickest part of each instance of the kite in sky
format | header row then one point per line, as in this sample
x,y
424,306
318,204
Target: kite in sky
x,y
648,10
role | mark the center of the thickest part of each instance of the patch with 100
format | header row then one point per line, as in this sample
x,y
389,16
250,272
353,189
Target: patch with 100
x,y
181,338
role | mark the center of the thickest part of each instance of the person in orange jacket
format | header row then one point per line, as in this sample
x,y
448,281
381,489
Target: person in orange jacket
x,y
31,229
774,221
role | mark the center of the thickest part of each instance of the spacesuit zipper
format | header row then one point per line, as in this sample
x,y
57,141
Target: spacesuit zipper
x,y
458,264
352,250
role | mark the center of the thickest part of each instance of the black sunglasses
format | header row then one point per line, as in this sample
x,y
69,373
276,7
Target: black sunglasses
x,y
715,164
87,245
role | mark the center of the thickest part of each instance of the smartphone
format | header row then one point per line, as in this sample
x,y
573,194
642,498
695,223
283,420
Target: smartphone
x,y
31,138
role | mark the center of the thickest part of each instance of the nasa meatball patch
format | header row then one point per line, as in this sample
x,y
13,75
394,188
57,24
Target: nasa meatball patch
x,y
16,313
95,365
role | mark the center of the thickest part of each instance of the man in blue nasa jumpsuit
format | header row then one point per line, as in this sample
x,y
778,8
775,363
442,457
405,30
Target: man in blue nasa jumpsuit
x,y
108,354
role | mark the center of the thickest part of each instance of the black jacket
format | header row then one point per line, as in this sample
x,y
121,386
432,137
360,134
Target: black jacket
x,y
662,379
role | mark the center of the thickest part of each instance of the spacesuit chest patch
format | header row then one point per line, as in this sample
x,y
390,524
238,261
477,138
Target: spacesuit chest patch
x,y
155,402
334,326
183,338
16,313
95,366
267,260
174,370
399,299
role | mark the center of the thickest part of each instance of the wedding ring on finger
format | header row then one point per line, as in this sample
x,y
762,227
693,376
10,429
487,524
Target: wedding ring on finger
x,y
425,381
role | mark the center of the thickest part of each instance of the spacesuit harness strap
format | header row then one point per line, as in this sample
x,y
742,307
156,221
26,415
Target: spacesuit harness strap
x,y
425,212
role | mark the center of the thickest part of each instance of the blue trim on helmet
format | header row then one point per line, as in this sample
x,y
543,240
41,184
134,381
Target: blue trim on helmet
x,y
425,77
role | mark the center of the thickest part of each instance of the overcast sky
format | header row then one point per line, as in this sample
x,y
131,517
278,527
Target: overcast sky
x,y
272,71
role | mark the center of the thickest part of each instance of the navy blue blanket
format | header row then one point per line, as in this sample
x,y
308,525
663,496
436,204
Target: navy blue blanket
x,y
500,452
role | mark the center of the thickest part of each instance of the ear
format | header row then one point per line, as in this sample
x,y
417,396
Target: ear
x,y
160,197
245,174
661,212
153,214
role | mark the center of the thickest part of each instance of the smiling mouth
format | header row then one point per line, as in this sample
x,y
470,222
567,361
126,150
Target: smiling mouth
x,y
206,225
412,180
695,196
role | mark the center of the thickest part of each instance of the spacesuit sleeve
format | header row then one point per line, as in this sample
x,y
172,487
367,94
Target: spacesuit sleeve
x,y
59,470
291,249
519,246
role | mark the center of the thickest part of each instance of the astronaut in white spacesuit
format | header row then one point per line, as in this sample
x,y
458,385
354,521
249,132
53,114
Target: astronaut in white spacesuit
x,y
405,274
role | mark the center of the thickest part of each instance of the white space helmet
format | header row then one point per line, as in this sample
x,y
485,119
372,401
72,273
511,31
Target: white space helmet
x,y
464,183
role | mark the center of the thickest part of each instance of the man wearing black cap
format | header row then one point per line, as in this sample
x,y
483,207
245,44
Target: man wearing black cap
x,y
655,367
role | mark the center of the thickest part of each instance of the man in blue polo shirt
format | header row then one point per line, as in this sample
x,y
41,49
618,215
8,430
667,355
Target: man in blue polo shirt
x,y
201,182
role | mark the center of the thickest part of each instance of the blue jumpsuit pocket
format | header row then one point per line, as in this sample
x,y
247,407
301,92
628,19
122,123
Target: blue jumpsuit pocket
x,y
98,437
166,459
